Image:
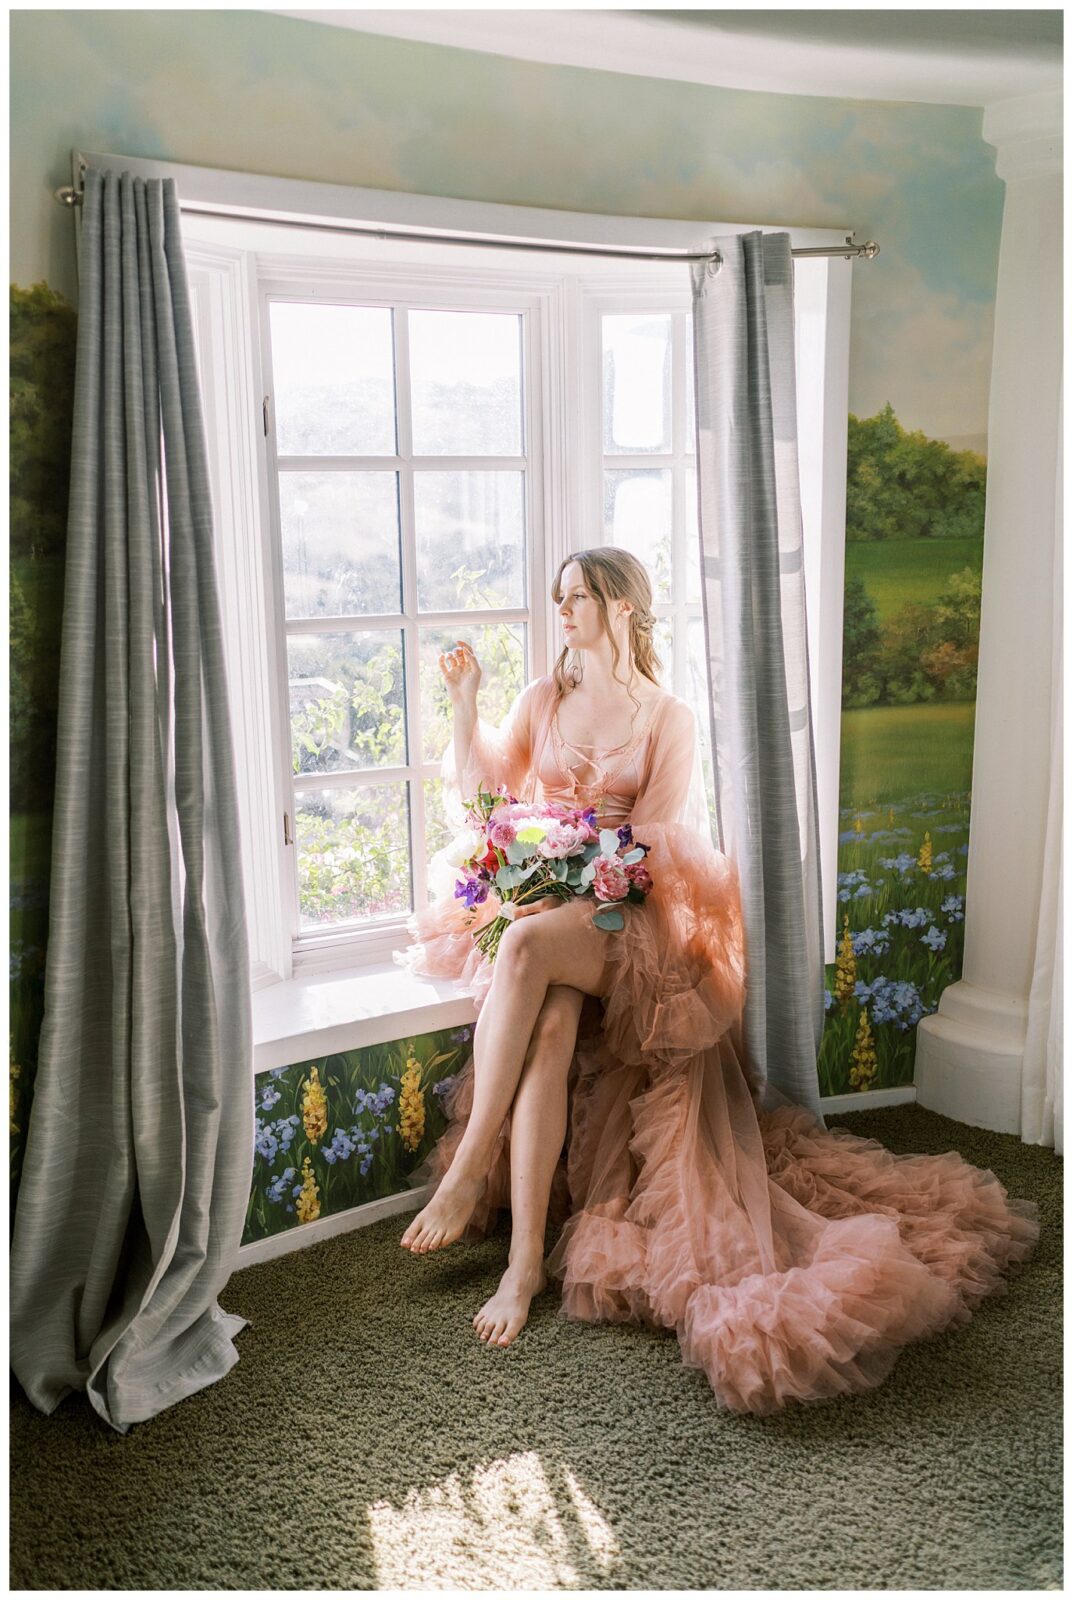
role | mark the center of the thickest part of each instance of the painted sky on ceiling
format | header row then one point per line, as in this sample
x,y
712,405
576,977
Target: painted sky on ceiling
x,y
268,94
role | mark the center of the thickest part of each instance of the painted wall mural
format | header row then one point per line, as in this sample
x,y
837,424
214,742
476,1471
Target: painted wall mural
x,y
269,94
342,1130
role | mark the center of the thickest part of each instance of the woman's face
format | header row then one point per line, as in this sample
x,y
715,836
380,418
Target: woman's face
x,y
579,611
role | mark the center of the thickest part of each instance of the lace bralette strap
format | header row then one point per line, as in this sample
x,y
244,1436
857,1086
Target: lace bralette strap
x,y
606,778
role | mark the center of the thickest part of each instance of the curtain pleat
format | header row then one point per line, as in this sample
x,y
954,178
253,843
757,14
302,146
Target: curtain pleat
x,y
753,591
140,1141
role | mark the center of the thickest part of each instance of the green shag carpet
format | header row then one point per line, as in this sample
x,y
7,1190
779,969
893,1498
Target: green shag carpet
x,y
367,1439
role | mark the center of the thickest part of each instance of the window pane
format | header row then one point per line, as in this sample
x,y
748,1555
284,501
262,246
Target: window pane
x,y
637,383
692,537
697,694
500,649
470,540
346,700
334,379
637,516
663,639
340,535
353,854
697,688
438,832
466,380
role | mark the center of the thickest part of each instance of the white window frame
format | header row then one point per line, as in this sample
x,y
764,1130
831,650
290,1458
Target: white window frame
x,y
565,293
413,288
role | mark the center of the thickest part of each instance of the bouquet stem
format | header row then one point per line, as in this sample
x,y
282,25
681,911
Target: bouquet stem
x,y
488,938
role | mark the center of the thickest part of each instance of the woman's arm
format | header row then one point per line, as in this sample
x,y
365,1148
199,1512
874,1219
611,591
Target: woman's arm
x,y
482,755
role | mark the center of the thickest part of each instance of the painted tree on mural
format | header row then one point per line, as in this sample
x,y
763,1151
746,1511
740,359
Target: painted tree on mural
x,y
42,399
861,644
42,396
902,485
925,651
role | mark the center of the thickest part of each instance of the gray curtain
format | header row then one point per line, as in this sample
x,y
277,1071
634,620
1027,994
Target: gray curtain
x,y
753,589
140,1141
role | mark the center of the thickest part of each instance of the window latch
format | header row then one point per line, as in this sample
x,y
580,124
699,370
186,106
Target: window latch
x,y
287,829
264,414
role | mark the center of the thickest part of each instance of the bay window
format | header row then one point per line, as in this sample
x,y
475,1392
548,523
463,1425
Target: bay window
x,y
405,441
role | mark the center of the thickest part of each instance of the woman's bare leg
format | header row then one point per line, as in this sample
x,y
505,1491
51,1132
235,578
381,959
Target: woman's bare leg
x,y
538,1122
555,948
504,1027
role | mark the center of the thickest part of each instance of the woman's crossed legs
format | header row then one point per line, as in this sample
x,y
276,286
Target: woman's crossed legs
x,y
522,1048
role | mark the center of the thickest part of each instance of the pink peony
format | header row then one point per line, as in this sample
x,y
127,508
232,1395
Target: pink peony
x,y
610,881
501,833
563,839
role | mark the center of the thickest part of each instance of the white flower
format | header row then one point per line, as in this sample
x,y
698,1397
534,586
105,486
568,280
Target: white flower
x,y
461,847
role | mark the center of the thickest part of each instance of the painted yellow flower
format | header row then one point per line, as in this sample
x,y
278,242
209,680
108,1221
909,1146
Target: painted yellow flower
x,y
864,1066
411,1105
924,858
314,1108
308,1209
845,967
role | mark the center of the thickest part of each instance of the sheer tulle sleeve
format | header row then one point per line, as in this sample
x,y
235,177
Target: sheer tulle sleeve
x,y
668,791
497,755
678,981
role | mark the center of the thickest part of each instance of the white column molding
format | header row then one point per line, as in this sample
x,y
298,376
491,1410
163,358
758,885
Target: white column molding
x,y
969,1052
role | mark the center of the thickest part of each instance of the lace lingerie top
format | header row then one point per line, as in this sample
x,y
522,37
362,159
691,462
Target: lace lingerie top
x,y
613,775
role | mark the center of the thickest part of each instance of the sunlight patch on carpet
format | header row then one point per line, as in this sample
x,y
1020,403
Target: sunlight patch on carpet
x,y
504,1525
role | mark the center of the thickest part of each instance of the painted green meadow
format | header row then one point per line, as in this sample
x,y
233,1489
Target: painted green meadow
x,y
341,1130
898,572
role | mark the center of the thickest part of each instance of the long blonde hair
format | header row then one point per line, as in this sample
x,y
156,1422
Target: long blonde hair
x,y
614,574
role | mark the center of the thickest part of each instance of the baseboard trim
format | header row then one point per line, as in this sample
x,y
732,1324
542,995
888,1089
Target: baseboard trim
x,y
306,1233
869,1099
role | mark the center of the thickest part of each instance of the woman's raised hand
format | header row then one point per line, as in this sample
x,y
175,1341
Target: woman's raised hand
x,y
462,674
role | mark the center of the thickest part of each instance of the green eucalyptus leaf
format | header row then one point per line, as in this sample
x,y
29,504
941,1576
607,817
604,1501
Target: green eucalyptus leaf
x,y
609,918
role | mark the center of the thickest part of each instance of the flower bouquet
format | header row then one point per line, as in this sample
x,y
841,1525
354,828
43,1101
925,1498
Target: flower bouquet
x,y
523,851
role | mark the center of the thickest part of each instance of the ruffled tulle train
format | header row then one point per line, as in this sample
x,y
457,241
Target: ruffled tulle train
x,y
793,1261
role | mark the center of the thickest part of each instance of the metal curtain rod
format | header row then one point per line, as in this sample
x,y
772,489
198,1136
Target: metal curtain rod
x,y
69,196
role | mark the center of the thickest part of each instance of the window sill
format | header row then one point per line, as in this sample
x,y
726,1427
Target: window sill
x,y
321,1013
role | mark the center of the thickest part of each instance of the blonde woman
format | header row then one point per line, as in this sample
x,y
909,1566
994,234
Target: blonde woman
x,y
792,1261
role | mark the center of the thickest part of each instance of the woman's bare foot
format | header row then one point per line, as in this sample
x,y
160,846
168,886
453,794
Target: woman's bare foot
x,y
502,1318
443,1220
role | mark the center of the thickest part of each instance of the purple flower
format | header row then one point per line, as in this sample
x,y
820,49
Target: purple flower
x,y
472,891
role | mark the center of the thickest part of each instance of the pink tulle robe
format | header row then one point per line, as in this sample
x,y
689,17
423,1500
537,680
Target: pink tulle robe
x,y
793,1262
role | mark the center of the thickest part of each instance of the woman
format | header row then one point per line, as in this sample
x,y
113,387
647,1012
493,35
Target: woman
x,y
793,1261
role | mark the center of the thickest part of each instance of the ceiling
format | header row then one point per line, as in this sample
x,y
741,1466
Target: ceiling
x,y
971,57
